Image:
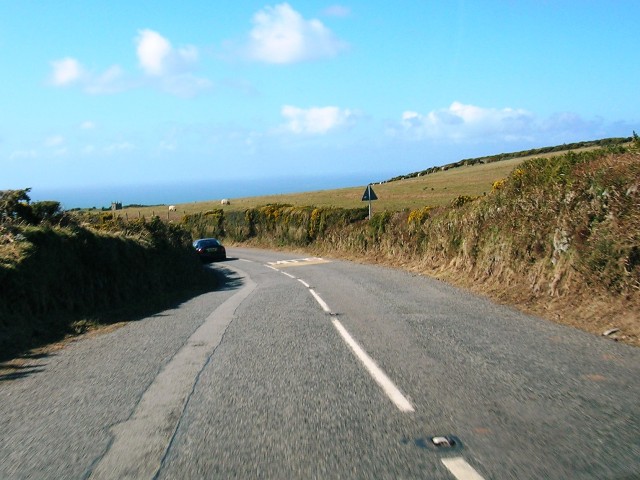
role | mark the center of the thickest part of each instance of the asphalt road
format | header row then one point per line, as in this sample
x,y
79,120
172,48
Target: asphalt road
x,y
311,368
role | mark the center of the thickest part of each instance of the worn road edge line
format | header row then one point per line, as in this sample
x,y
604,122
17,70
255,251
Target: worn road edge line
x,y
139,443
461,469
378,375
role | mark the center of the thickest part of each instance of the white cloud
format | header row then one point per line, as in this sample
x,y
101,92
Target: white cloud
x,y
153,50
315,120
168,67
87,125
461,122
157,57
281,35
66,71
165,68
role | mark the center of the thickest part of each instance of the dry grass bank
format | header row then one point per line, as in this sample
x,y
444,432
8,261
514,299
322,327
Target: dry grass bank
x,y
558,237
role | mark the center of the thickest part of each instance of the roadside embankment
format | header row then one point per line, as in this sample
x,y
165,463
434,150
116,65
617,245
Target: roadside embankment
x,y
59,280
559,237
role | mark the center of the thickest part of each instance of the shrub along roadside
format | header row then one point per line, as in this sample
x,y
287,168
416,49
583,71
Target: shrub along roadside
x,y
58,279
560,237
277,224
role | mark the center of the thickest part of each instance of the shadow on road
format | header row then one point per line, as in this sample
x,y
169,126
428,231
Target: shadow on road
x,y
227,279
17,361
14,372
23,366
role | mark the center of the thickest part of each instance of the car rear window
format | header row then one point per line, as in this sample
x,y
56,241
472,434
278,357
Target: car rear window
x,y
209,243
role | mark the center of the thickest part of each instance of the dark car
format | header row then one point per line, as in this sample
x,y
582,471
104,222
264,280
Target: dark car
x,y
209,249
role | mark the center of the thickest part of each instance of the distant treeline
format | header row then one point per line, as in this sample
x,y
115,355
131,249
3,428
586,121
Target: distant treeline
x,y
605,142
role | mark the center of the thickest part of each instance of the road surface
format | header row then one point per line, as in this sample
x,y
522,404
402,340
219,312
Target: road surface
x,y
304,367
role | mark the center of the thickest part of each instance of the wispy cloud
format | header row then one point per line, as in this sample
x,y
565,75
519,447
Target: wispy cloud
x,y
281,35
460,122
112,80
68,72
54,141
23,154
315,120
119,147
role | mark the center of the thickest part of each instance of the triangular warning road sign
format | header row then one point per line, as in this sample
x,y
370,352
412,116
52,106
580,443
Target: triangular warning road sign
x,y
369,194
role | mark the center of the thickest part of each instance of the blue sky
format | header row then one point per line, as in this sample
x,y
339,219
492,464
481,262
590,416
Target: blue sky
x,y
124,97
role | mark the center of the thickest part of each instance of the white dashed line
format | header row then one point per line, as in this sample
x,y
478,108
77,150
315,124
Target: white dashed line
x,y
461,469
245,260
456,465
378,375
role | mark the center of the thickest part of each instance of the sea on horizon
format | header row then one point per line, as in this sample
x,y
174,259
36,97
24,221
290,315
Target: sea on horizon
x,y
188,192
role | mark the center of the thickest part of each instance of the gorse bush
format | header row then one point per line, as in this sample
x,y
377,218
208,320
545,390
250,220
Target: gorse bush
x,y
206,224
461,200
279,224
418,217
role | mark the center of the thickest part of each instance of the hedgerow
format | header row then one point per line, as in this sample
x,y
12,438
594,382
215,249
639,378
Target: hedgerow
x,y
280,224
54,276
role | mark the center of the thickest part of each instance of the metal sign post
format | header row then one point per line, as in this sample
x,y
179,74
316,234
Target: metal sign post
x,y
368,196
